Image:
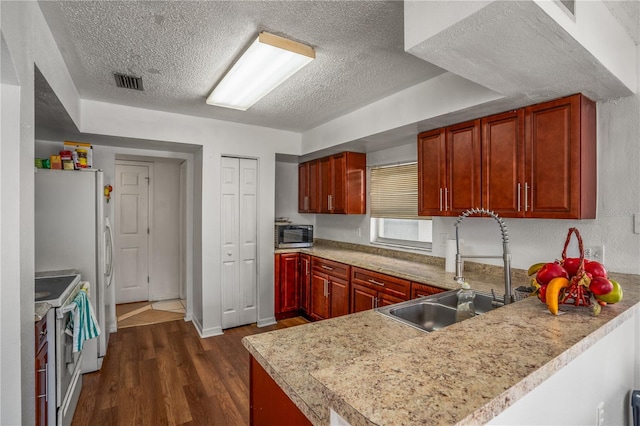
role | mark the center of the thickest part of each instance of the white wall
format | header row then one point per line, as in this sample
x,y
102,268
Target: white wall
x,y
605,373
286,186
11,385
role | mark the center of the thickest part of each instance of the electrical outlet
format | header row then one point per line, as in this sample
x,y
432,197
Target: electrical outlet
x,y
600,414
594,253
443,239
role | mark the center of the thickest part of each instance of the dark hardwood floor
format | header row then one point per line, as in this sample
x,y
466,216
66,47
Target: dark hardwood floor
x,y
165,374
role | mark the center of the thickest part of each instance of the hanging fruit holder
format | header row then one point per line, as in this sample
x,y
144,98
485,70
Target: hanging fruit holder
x,y
577,293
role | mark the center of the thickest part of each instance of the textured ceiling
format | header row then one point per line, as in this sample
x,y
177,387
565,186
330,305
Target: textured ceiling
x,y
181,49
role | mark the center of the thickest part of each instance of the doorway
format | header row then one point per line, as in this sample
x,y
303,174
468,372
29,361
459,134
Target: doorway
x,y
132,231
160,222
239,193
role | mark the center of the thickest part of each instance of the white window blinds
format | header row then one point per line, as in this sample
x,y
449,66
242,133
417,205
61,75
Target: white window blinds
x,y
394,192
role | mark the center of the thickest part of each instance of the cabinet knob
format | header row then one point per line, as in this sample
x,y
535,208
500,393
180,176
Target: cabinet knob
x,y
229,253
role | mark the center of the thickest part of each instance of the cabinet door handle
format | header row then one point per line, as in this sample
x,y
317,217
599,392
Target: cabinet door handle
x,y
518,201
326,288
327,267
330,202
526,196
307,264
306,203
372,281
446,199
440,199
375,302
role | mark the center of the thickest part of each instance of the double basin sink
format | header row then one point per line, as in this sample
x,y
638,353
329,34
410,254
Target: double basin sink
x,y
434,312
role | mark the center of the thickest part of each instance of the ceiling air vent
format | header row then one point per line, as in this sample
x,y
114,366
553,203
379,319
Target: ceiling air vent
x,y
128,81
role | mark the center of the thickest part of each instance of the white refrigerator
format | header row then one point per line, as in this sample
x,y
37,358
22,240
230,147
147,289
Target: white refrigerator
x,y
72,231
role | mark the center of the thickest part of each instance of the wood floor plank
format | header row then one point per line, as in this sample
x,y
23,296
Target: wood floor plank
x,y
165,374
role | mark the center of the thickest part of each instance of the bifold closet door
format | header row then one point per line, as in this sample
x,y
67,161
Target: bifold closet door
x,y
239,241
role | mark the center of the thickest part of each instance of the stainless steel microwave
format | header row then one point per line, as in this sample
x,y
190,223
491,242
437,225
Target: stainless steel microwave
x,y
293,236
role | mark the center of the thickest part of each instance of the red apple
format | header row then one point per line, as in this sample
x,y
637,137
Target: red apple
x,y
595,268
571,265
550,271
600,286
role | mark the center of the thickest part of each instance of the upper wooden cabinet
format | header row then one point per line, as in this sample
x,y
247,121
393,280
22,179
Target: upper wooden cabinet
x,y
308,187
449,169
503,163
560,159
334,184
535,162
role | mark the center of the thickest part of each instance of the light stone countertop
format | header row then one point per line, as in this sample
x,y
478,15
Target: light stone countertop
x,y
41,309
373,370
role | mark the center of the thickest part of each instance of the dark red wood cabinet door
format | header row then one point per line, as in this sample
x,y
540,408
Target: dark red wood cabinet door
x,y
319,295
362,298
503,163
431,172
338,296
41,360
463,189
338,183
312,178
305,281
324,184
387,299
289,282
303,188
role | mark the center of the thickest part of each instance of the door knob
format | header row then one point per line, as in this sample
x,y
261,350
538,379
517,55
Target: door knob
x,y
229,253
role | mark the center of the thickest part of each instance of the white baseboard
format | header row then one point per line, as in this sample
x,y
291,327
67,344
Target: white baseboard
x,y
210,332
267,321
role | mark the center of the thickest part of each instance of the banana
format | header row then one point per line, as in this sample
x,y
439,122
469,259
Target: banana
x,y
533,269
553,293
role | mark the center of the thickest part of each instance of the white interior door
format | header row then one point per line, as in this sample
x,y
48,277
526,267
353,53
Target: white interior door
x,y
132,233
239,235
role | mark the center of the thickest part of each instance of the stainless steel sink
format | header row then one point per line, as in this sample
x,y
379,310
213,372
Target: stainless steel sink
x,y
483,302
433,312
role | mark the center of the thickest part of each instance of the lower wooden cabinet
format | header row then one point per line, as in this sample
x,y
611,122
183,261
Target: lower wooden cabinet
x,y
420,290
41,367
269,405
305,282
372,289
329,289
287,285
323,289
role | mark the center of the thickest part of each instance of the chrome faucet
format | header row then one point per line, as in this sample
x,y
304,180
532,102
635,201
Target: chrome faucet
x,y
506,254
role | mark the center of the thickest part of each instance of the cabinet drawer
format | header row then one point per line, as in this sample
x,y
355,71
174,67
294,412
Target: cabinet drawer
x,y
40,333
383,283
420,290
329,267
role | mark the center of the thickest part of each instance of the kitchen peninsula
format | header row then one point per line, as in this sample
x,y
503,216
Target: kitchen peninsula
x,y
371,369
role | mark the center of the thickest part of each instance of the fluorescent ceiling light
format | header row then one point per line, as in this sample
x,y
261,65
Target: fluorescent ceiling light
x,y
268,62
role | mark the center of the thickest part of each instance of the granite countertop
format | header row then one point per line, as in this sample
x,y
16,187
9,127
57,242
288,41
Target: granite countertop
x,y
41,309
419,268
373,370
